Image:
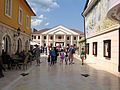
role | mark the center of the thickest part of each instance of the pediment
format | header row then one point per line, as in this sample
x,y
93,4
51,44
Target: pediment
x,y
59,32
60,29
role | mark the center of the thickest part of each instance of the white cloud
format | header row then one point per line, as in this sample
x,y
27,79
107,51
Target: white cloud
x,y
36,22
44,5
41,16
47,24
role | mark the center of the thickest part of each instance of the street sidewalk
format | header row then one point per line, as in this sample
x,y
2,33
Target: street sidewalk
x,y
12,76
94,64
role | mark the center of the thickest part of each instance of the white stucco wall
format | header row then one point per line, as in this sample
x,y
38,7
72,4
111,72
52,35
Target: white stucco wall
x,y
112,64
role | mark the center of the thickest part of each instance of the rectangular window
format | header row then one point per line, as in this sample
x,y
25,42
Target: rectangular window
x,y
27,21
67,38
95,48
87,48
51,37
38,37
20,15
107,48
59,37
34,37
44,37
8,7
74,38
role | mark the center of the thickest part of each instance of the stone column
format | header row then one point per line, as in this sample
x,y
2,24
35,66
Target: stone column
x,y
41,44
78,41
64,40
71,39
54,40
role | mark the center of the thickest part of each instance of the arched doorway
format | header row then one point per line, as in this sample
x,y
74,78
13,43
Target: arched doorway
x,y
19,45
6,44
26,45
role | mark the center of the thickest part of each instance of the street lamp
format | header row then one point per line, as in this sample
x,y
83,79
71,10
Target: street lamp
x,y
18,32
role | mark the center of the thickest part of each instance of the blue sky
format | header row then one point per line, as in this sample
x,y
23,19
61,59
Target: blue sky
x,y
51,13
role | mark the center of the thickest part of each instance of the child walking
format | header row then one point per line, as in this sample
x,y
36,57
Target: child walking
x,y
82,55
62,56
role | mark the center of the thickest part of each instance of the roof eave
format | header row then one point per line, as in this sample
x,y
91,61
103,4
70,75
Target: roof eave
x,y
30,8
89,7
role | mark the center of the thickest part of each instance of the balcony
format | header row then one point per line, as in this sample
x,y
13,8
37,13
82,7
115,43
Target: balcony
x,y
114,10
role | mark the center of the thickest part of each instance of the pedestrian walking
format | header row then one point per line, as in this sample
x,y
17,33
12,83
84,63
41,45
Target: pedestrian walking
x,y
66,57
82,55
49,60
56,52
62,56
52,55
71,52
36,52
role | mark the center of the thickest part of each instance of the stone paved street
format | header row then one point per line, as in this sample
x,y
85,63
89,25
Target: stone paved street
x,y
65,77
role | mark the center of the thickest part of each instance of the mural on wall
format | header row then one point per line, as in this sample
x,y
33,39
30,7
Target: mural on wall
x,y
96,20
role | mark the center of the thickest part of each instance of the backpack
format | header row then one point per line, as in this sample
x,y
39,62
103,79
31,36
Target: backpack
x,y
73,51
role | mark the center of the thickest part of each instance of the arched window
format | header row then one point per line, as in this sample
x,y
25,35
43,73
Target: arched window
x,y
19,45
6,44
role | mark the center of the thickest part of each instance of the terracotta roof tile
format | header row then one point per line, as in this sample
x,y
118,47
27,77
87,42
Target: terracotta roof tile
x,y
46,29
41,31
77,31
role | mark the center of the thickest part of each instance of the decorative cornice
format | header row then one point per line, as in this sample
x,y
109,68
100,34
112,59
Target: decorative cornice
x,y
89,7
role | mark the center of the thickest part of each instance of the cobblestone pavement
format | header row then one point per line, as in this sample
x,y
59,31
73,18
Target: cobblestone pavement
x,y
65,77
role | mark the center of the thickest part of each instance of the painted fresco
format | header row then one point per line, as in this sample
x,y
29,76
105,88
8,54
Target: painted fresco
x,y
96,20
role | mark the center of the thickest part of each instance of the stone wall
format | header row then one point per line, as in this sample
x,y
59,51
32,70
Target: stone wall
x,y
9,32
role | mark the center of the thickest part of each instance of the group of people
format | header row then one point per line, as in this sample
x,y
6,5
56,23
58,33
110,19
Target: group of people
x,y
65,54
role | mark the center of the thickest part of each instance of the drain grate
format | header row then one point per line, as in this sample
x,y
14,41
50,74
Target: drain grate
x,y
85,75
24,74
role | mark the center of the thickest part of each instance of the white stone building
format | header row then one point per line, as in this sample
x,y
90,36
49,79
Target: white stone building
x,y
102,34
58,35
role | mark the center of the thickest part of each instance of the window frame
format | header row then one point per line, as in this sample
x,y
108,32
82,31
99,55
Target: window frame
x,y
8,8
34,37
108,50
44,37
51,37
60,37
68,38
95,47
20,16
27,21
38,37
87,48
75,38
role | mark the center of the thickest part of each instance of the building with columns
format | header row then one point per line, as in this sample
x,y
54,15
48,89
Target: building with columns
x,y
102,33
59,35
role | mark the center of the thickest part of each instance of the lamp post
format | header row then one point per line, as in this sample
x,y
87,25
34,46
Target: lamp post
x,y
18,32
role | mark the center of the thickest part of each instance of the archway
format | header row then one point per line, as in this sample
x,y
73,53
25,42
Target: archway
x,y
6,44
19,45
